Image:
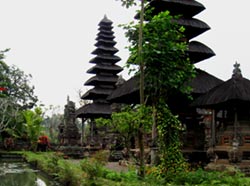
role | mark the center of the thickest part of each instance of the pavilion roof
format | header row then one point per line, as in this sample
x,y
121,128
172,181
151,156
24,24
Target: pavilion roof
x,y
94,110
129,91
233,91
203,82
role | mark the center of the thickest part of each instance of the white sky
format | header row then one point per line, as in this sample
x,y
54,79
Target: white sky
x,y
53,40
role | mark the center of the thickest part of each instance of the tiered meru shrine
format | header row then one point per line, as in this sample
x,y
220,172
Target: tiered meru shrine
x,y
217,120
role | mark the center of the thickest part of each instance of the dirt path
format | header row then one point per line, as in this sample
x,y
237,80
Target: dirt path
x,y
110,165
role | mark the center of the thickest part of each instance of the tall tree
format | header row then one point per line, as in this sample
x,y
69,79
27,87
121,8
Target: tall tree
x,y
166,67
9,113
16,84
16,95
129,3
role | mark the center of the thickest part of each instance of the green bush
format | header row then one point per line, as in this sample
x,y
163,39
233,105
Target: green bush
x,y
92,167
205,178
69,174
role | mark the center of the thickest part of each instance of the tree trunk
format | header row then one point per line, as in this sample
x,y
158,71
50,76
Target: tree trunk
x,y
154,138
141,127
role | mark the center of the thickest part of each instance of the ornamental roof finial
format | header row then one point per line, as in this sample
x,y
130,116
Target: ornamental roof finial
x,y
237,71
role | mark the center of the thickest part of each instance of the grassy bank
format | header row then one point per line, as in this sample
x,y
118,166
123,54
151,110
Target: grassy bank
x,y
87,172
93,172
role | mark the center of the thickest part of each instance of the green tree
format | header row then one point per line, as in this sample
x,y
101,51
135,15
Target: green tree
x,y
51,124
32,122
16,84
128,3
9,114
166,67
139,50
16,95
127,122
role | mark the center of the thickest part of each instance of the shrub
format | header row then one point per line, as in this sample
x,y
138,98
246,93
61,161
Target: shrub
x,y
68,174
92,167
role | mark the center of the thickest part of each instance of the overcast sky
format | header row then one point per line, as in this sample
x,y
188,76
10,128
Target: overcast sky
x,y
53,40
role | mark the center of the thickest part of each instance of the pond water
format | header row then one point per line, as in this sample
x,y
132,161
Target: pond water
x,y
21,174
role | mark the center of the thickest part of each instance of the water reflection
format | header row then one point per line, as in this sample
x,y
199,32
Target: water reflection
x,y
20,174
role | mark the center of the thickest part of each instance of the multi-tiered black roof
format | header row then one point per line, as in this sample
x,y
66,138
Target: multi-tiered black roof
x,y
197,51
105,71
187,9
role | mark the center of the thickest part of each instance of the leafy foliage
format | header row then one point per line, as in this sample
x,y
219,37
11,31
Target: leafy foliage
x,y
167,66
33,127
16,84
127,122
71,173
169,128
128,3
16,95
9,114
167,69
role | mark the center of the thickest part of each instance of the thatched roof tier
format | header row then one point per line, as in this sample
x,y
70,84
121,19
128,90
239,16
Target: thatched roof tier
x,y
94,110
105,22
106,27
104,80
105,50
129,91
105,59
105,42
233,91
203,82
188,8
193,27
198,51
105,32
97,93
114,69
104,36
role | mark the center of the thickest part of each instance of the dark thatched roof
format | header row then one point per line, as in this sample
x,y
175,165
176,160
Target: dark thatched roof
x,y
198,51
106,32
105,49
193,27
103,58
96,93
105,22
101,35
203,82
94,110
105,68
104,80
188,8
233,91
129,91
106,42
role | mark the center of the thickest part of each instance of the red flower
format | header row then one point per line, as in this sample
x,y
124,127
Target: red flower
x,y
3,88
